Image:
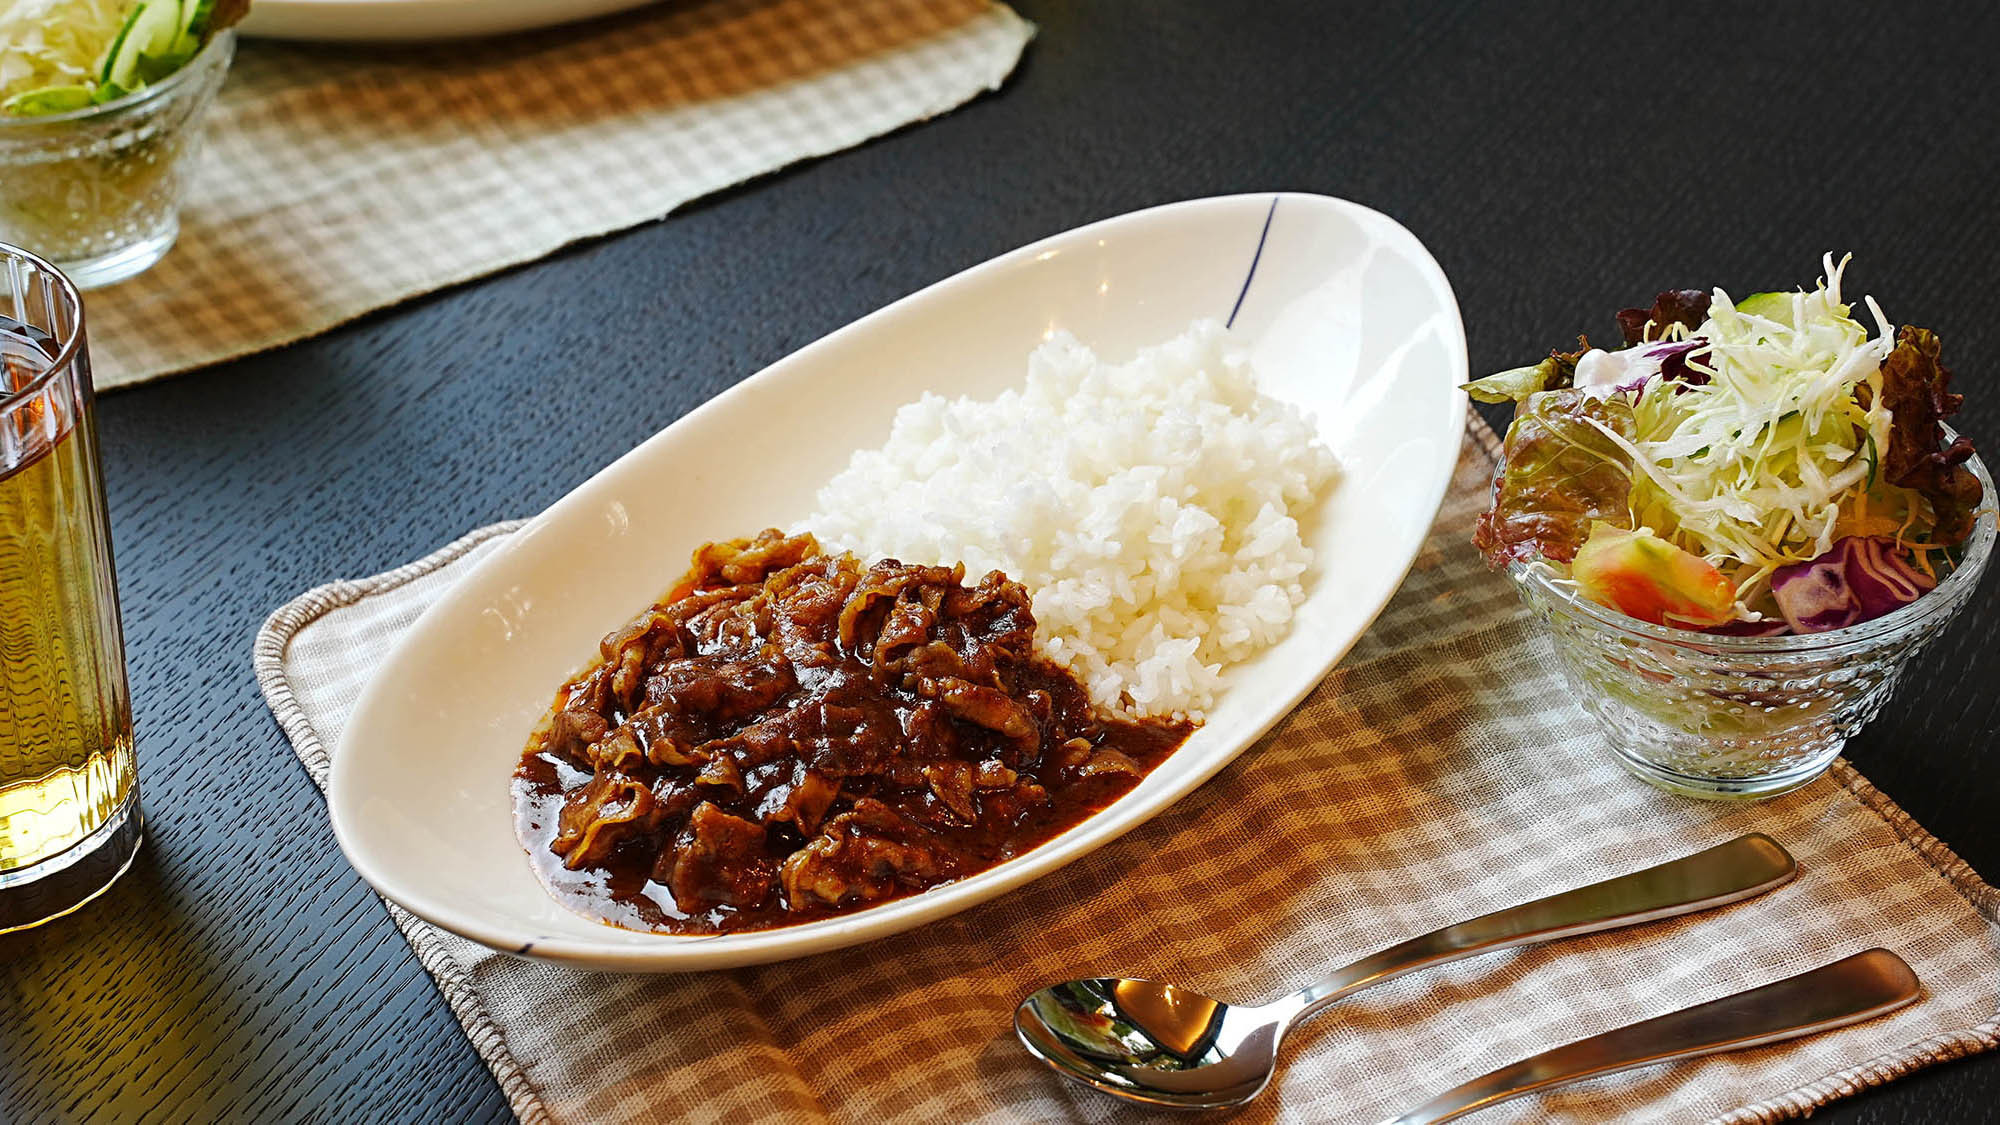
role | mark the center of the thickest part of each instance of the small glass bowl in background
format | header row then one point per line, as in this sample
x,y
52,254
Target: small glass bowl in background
x,y
98,191
1740,717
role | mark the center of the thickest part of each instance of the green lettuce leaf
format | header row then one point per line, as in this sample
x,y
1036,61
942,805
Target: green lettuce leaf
x,y
1561,475
1914,390
1516,384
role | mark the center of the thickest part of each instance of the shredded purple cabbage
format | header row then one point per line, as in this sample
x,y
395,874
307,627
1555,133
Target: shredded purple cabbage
x,y
1858,579
1674,362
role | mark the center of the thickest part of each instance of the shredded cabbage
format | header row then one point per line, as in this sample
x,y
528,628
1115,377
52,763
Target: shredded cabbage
x,y
1774,457
55,42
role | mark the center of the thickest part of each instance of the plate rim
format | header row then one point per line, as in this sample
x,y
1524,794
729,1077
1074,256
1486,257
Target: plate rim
x,y
681,952
415,21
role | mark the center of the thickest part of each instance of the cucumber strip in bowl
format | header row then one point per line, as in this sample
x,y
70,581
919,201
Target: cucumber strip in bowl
x,y
194,18
144,44
49,99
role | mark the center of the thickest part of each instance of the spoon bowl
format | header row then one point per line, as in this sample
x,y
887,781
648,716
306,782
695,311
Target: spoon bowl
x,y
1152,1041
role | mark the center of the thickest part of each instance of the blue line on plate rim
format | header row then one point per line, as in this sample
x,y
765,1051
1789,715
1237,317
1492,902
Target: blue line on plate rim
x,y
1254,259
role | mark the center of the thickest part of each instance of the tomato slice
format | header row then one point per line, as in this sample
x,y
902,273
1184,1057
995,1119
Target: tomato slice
x,y
1642,575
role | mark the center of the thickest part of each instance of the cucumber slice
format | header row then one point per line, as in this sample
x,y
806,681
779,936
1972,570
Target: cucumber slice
x,y
48,99
1770,306
195,18
151,69
117,45
150,30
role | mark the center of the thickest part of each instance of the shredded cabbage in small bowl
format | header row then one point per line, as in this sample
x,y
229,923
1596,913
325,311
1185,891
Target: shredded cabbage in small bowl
x,y
55,42
1774,457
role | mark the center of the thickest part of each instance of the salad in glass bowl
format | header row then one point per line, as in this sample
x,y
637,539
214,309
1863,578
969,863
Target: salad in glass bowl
x,y
100,104
1738,524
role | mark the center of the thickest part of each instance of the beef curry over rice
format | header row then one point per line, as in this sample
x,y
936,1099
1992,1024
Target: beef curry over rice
x,y
789,735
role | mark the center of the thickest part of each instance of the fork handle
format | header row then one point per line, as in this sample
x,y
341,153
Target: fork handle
x,y
1857,988
1742,868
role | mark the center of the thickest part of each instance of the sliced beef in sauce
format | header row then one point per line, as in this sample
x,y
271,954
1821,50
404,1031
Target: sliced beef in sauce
x,y
720,860
790,734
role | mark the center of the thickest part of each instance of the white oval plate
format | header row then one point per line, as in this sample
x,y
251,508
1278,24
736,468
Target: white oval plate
x,y
391,20
1345,314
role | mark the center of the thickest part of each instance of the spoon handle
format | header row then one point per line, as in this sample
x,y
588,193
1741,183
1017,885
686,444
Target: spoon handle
x,y
1849,991
1742,868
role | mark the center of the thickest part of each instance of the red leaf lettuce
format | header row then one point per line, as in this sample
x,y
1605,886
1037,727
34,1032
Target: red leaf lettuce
x,y
1561,475
1914,389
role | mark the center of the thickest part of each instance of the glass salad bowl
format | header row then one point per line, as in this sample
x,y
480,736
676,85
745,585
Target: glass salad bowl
x,y
1740,717
98,191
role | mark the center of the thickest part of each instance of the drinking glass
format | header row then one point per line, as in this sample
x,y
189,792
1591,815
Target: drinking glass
x,y
98,191
1740,717
69,796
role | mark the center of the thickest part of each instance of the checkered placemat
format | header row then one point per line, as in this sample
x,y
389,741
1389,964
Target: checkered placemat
x,y
337,181
1440,772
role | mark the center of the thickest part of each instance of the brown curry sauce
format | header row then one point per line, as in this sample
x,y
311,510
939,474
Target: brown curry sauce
x,y
788,736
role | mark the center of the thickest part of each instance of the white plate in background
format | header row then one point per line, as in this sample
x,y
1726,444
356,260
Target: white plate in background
x,y
389,20
1345,314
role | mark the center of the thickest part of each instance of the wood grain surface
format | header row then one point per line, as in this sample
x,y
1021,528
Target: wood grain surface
x,y
1560,160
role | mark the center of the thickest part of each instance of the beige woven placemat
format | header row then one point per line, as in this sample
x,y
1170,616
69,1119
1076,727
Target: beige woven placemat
x,y
337,181
1440,772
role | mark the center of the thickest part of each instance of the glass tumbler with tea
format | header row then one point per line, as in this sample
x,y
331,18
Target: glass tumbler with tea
x,y
69,796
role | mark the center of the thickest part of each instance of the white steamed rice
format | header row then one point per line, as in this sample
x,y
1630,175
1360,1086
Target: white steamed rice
x,y
1151,509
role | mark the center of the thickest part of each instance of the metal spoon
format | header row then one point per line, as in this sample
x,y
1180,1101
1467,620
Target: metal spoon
x,y
1160,1044
1846,992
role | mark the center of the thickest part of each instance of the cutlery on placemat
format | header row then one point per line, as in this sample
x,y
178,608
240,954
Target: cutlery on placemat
x,y
1161,1044
1848,991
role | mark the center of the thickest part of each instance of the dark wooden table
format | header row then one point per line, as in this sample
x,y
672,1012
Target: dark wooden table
x,y
1559,160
